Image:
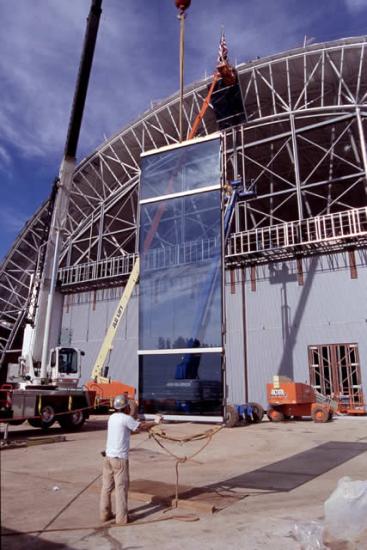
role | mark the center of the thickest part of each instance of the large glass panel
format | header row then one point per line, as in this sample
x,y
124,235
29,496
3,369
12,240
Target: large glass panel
x,y
180,299
180,275
182,169
171,222
163,387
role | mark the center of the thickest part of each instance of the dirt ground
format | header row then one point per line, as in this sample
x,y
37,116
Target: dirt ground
x,y
261,479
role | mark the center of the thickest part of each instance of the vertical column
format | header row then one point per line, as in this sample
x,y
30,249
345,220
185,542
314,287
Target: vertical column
x,y
100,233
296,167
362,140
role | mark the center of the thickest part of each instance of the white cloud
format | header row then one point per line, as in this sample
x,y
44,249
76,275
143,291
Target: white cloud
x,y
41,49
5,158
356,5
136,60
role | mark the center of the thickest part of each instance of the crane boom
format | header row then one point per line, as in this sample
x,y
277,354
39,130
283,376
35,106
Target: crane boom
x,y
39,346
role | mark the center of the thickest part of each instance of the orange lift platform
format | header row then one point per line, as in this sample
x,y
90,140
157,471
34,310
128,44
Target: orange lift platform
x,y
288,399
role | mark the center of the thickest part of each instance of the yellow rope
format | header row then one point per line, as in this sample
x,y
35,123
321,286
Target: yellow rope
x,y
157,433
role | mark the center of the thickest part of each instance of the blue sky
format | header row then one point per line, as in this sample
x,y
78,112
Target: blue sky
x,y
135,63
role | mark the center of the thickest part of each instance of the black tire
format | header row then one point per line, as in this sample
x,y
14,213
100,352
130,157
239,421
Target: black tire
x,y
331,416
16,422
257,412
274,415
320,415
47,418
72,421
34,422
246,420
231,418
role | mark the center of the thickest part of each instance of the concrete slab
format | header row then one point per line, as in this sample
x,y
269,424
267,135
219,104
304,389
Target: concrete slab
x,y
263,479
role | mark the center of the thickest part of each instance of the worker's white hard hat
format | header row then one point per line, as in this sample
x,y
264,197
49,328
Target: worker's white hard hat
x,y
120,402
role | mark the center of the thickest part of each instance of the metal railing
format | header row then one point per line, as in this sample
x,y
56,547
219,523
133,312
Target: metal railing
x,y
181,254
322,232
155,259
111,268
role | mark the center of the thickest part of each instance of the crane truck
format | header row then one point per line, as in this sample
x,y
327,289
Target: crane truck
x,y
43,386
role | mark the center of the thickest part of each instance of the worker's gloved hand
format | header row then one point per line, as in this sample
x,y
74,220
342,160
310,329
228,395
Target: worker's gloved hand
x,y
158,418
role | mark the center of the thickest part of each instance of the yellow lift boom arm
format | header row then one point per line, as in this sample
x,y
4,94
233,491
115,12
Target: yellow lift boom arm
x,y
112,329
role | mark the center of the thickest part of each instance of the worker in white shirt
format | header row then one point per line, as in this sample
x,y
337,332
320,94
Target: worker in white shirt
x,y
116,459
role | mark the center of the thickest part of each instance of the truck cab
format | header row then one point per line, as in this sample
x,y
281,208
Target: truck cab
x,y
64,367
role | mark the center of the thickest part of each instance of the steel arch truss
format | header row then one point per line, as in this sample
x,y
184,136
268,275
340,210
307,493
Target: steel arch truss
x,y
15,278
316,169
302,147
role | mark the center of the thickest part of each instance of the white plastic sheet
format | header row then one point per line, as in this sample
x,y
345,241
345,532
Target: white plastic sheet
x,y
346,509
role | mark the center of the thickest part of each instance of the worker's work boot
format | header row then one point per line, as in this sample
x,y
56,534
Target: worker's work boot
x,y
123,521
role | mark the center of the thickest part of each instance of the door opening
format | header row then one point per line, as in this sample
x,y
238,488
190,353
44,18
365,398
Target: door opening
x,y
335,371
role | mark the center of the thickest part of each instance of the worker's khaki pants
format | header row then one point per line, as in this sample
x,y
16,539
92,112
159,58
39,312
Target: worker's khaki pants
x,y
115,476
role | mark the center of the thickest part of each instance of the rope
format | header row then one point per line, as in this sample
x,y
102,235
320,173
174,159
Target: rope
x,y
68,504
183,517
156,433
39,532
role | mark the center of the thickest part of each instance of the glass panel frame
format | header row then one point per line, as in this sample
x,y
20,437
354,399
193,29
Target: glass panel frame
x,y
181,281
180,169
163,389
180,278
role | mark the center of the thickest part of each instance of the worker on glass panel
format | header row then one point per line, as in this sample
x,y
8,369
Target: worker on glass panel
x,y
115,474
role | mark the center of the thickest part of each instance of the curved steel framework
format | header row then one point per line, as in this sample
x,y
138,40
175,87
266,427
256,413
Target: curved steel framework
x,y
303,148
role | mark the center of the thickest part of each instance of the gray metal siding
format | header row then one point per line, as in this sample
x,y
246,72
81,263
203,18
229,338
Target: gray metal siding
x,y
282,320
234,341
86,318
285,318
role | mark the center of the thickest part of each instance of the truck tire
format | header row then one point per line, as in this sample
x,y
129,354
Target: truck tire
x,y
16,422
231,418
257,412
47,418
319,414
72,421
274,415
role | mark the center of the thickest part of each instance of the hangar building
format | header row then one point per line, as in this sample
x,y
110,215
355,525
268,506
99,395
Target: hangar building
x,y
294,293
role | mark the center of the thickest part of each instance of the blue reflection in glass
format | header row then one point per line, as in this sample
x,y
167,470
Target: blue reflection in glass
x,y
162,390
182,169
180,304
180,278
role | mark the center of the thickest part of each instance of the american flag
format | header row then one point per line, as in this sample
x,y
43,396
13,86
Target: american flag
x,y
223,50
